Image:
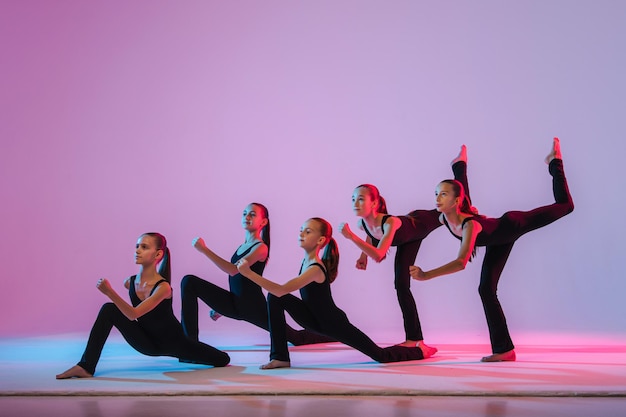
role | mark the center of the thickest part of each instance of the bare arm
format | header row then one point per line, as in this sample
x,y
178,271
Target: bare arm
x,y
162,292
294,284
377,253
468,241
259,253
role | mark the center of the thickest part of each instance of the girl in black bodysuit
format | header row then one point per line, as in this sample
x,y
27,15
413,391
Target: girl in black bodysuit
x,y
149,324
498,236
405,233
316,310
245,300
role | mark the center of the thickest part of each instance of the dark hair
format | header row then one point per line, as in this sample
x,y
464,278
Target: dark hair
x,y
466,205
459,191
265,231
330,257
165,269
375,194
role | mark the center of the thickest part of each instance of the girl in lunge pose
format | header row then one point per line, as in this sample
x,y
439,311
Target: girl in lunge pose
x,y
245,299
316,310
498,236
148,324
405,233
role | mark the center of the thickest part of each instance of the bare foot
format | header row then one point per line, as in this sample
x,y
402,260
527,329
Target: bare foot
x,y
214,315
74,372
461,157
427,351
500,357
555,152
275,364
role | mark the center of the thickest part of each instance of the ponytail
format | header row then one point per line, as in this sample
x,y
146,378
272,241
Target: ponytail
x,y
165,269
265,231
330,257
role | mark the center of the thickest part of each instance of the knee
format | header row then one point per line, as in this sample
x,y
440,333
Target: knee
x,y
109,313
274,303
486,291
188,283
403,288
108,309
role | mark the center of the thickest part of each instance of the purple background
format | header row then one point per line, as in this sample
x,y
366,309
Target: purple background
x,y
122,117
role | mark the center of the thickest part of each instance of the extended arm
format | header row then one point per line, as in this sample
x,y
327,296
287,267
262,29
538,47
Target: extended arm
x,y
377,253
162,292
259,253
468,241
294,284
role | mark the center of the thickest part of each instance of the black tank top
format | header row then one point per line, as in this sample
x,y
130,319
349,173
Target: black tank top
x,y
318,298
414,226
160,321
240,285
494,231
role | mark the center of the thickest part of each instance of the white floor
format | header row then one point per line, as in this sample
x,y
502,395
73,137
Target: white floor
x,y
312,406
569,379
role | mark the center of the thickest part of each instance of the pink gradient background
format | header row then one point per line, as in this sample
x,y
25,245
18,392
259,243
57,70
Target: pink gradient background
x,y
121,117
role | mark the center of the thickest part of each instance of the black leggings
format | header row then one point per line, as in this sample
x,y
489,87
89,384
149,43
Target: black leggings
x,y
335,325
171,342
425,222
405,257
251,308
514,224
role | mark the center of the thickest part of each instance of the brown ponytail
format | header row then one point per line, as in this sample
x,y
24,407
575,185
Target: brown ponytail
x,y
330,257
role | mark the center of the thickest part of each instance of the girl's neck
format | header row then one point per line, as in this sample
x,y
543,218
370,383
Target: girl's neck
x,y
148,273
454,217
372,219
311,257
252,236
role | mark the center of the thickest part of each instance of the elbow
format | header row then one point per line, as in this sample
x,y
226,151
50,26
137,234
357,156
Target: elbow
x,y
379,257
279,293
461,264
134,314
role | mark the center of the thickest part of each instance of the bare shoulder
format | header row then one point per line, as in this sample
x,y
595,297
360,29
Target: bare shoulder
x,y
472,225
394,224
163,288
314,272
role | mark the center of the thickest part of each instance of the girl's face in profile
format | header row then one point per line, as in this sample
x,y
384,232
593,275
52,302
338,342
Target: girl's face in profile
x,y
252,218
310,235
445,200
362,202
146,252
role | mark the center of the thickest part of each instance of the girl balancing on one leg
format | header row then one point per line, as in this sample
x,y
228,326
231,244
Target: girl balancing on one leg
x,y
316,309
405,233
498,236
148,324
245,299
